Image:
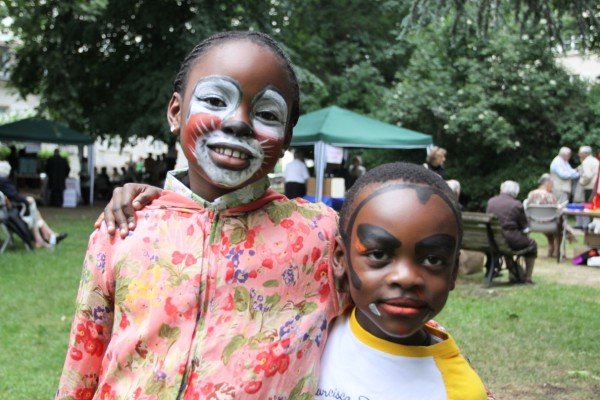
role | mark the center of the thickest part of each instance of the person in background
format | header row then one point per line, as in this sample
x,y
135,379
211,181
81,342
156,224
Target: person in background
x,y
115,177
44,236
588,171
102,185
57,169
84,181
13,160
295,176
563,175
355,170
435,161
514,224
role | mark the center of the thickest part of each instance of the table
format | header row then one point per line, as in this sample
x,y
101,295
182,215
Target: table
x,y
590,239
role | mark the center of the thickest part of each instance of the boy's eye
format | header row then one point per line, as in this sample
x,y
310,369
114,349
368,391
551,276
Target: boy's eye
x,y
434,261
377,255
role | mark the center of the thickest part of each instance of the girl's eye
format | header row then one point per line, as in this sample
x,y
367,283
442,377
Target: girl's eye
x,y
434,261
214,102
267,116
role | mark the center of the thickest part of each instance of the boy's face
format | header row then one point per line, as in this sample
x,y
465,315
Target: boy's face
x,y
400,257
234,115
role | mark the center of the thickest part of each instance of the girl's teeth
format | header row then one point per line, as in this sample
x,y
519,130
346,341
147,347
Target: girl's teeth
x,y
231,153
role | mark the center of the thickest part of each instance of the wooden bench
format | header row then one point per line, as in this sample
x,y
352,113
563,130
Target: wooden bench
x,y
482,232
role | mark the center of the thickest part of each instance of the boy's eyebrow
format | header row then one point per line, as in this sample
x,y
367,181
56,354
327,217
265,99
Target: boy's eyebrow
x,y
442,240
375,236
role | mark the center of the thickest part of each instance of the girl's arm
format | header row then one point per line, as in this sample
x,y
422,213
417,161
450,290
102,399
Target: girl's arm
x,y
126,200
92,325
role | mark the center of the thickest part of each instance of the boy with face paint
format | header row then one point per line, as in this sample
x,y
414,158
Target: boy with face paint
x,y
223,291
397,257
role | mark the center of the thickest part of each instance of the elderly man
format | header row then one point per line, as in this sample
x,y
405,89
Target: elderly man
x,y
511,214
563,175
588,171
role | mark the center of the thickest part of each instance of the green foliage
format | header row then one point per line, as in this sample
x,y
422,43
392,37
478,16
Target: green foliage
x,y
564,23
4,152
501,106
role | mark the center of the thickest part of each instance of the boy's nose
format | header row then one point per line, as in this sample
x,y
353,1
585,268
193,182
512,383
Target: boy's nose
x,y
405,274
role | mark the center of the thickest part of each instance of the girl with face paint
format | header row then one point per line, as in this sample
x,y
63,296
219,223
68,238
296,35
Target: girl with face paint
x,y
397,257
223,290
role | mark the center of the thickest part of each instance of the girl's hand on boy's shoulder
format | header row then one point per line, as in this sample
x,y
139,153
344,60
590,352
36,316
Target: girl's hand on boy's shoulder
x,y
125,201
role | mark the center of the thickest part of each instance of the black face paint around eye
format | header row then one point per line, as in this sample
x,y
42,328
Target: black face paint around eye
x,y
375,236
441,241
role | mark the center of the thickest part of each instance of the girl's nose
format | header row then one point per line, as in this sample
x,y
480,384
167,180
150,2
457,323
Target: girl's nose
x,y
236,127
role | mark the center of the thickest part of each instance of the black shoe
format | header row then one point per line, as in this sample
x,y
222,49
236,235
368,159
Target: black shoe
x,y
60,237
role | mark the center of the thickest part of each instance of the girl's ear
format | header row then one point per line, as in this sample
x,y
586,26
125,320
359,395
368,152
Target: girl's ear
x,y
174,113
338,264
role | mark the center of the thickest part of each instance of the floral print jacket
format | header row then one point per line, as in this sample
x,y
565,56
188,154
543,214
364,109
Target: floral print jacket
x,y
223,300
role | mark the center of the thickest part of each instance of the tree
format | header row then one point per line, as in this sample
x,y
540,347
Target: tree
x,y
500,105
105,66
577,21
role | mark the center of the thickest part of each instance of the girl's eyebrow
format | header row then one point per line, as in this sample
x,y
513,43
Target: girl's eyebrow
x,y
440,241
375,236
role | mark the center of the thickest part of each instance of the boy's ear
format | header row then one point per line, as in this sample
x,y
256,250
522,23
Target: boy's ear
x,y
338,264
174,113
455,271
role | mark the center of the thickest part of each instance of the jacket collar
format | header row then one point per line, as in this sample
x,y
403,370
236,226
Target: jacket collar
x,y
245,199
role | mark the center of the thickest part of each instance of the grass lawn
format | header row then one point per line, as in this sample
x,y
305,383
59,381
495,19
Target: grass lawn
x,y
537,342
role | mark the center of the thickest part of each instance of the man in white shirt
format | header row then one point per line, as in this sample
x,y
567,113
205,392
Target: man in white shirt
x,y
563,175
295,176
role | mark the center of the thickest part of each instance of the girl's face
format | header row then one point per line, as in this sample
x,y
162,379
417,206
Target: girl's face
x,y
400,256
233,117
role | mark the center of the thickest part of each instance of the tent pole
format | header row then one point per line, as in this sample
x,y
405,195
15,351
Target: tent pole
x,y
90,167
320,163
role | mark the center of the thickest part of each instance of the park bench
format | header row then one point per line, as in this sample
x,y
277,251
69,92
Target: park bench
x,y
482,232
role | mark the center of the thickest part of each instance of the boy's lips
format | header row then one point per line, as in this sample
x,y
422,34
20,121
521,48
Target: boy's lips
x,y
402,307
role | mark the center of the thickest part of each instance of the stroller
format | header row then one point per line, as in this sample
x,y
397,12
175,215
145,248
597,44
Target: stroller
x,y
11,223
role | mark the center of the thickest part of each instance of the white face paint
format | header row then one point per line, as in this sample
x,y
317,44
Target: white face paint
x,y
221,97
269,113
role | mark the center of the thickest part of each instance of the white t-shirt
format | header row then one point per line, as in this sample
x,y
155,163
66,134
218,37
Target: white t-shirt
x,y
296,171
359,366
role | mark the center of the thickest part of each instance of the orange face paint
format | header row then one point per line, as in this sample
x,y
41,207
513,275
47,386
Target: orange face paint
x,y
359,246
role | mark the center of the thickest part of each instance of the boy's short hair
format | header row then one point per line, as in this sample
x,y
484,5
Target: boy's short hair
x,y
406,172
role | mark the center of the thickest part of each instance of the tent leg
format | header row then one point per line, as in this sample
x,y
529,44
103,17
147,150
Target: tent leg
x,y
90,168
320,164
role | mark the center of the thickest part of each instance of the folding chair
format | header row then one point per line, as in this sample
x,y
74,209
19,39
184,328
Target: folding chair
x,y
12,223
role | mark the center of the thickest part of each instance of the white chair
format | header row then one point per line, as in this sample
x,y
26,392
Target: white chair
x,y
546,218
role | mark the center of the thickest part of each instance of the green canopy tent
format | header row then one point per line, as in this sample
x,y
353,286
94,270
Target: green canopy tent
x,y
343,128
40,130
